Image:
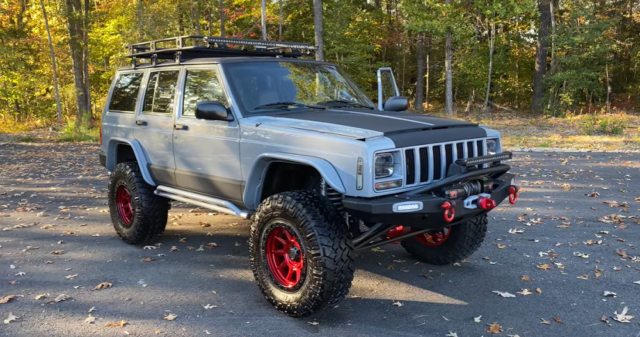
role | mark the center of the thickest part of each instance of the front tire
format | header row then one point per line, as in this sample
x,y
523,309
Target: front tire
x,y
137,214
452,244
301,254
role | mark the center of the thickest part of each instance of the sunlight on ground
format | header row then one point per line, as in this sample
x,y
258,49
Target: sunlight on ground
x,y
367,285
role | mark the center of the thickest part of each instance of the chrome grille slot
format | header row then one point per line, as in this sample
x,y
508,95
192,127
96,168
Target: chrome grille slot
x,y
437,163
410,166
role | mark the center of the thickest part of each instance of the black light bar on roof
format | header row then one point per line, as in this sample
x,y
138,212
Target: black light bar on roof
x,y
197,46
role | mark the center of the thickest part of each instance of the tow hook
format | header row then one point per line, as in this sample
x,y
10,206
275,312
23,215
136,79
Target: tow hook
x,y
449,210
482,201
513,194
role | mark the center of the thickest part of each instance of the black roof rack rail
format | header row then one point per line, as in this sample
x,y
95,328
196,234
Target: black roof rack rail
x,y
196,46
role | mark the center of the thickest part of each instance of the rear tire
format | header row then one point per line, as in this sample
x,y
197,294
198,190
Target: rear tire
x,y
301,254
137,214
460,242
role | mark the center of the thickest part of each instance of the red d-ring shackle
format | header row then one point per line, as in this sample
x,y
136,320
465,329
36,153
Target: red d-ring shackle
x,y
513,195
449,211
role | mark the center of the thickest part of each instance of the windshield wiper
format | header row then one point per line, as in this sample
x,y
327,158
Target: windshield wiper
x,y
285,105
341,102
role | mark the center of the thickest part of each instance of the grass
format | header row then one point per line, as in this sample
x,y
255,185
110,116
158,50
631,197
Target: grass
x,y
71,133
27,139
599,132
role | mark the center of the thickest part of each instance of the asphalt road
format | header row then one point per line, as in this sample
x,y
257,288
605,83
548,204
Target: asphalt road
x,y
52,198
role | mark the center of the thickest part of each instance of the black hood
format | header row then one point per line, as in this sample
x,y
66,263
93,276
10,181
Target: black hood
x,y
405,129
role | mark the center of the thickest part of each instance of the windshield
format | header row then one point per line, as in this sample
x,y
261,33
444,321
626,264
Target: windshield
x,y
260,87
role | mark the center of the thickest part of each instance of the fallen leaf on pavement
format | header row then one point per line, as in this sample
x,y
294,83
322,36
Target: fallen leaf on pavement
x,y
451,334
622,317
209,306
495,328
477,319
544,266
148,259
622,253
57,252
60,298
558,320
582,255
397,304
583,277
116,324
525,292
544,321
41,296
314,323
503,293
170,317
6,299
11,318
605,319
103,285
71,277
90,319
609,294
538,290
501,246
516,230
526,278
637,282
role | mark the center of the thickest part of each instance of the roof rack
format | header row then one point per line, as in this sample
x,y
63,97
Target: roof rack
x,y
196,46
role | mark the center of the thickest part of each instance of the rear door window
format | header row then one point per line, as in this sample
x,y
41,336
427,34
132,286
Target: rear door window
x,y
125,92
161,91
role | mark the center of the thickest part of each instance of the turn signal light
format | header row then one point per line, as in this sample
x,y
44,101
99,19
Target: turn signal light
x,y
388,185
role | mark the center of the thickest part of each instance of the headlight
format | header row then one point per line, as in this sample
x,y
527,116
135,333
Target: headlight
x,y
384,165
492,146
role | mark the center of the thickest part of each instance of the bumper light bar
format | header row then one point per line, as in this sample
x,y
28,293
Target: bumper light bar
x,y
470,162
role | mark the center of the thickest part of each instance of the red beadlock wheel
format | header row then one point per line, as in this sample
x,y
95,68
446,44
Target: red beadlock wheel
x,y
124,206
285,257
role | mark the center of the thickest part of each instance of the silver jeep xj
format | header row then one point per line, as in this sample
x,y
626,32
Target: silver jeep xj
x,y
250,128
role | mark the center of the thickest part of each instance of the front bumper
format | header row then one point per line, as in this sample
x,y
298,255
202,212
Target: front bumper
x,y
402,210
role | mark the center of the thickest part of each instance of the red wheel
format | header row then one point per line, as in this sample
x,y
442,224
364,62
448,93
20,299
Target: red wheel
x,y
285,257
434,239
124,205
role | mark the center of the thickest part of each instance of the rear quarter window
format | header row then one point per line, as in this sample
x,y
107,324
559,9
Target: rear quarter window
x,y
125,92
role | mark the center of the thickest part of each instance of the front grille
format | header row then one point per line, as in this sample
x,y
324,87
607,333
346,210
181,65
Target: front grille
x,y
425,164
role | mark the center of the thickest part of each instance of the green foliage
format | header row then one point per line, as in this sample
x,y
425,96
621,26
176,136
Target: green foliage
x,y
592,38
608,124
72,133
27,139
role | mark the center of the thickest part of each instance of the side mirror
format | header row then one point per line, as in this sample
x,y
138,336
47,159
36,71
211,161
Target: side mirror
x,y
396,104
387,86
213,111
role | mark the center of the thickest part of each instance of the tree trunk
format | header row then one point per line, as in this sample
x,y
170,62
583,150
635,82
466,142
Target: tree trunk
x,y
606,67
417,104
86,120
280,20
75,27
195,12
541,56
426,80
317,25
140,29
53,62
448,103
264,21
221,10
491,49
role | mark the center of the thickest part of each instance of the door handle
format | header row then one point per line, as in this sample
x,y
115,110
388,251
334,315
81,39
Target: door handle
x,y
180,127
141,123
